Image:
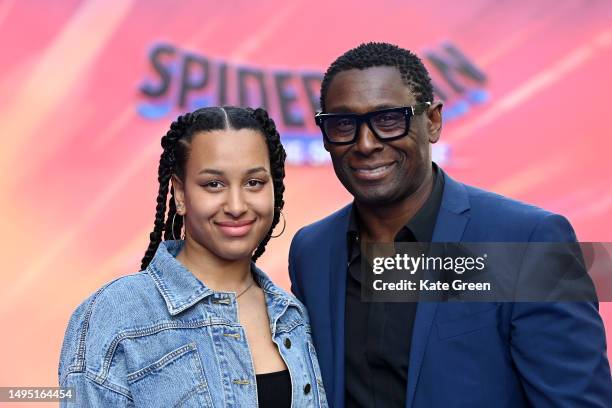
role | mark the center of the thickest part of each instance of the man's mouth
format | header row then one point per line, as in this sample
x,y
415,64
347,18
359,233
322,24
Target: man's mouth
x,y
373,172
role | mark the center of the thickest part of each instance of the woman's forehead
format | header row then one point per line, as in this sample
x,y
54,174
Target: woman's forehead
x,y
237,150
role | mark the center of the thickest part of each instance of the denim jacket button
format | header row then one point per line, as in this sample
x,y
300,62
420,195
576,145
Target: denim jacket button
x,y
307,389
288,343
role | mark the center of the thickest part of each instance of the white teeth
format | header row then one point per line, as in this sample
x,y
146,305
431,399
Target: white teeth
x,y
374,171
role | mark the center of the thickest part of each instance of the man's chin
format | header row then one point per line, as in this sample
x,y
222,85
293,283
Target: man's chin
x,y
374,197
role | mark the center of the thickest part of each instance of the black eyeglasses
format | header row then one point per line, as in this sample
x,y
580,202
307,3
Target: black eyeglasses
x,y
386,124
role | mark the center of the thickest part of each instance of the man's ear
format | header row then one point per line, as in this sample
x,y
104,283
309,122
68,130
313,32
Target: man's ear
x,y
179,194
434,121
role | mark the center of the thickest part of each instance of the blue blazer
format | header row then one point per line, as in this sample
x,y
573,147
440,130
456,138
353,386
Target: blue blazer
x,y
466,354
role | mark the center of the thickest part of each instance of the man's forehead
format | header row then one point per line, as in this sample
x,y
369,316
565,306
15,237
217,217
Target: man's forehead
x,y
363,90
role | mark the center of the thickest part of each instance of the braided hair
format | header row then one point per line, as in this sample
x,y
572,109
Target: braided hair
x,y
373,54
176,145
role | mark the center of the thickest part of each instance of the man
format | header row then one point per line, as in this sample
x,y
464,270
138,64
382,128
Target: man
x,y
428,354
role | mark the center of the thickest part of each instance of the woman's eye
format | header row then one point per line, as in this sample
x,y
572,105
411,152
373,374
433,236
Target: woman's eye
x,y
213,184
254,183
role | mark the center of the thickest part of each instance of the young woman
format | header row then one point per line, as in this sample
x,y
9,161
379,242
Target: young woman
x,y
201,325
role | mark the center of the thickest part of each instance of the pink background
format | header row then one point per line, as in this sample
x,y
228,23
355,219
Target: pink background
x,y
78,180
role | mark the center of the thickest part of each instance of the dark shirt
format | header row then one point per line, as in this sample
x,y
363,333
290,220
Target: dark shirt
x,y
274,390
377,335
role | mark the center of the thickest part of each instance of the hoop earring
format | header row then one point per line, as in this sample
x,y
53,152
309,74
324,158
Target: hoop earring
x,y
173,236
284,225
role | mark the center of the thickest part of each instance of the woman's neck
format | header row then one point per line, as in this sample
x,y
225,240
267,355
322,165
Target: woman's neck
x,y
216,273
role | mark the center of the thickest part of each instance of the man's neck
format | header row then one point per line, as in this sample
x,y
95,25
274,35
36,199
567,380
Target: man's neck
x,y
381,223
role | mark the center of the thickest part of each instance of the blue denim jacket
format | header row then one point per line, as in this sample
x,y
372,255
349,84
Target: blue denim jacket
x,y
161,338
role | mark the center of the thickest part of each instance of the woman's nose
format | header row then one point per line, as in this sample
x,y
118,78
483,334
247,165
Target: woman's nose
x,y
235,205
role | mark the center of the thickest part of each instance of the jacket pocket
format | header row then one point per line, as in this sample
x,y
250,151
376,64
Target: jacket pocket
x,y
469,323
175,380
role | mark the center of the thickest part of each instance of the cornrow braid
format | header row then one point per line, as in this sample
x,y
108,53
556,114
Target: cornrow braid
x,y
174,224
176,145
373,54
167,164
277,165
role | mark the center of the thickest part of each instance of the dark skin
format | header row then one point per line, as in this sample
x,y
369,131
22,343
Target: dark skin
x,y
390,181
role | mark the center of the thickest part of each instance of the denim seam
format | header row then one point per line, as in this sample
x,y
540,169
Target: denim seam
x,y
277,293
161,286
146,332
274,327
162,362
108,385
173,306
72,369
81,348
316,369
219,354
193,391
80,365
287,327
189,302
203,380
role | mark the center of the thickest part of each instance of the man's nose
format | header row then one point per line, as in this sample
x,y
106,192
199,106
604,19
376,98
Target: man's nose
x,y
366,142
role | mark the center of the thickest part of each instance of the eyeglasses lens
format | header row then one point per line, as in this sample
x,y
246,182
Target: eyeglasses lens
x,y
340,129
385,124
389,124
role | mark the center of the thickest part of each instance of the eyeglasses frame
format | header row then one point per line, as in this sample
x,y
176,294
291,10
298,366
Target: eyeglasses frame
x,y
409,112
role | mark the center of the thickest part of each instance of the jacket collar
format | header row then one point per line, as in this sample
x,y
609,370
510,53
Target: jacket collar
x,y
455,198
181,289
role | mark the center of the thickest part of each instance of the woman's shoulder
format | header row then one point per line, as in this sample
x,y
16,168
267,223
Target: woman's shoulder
x,y
117,306
117,298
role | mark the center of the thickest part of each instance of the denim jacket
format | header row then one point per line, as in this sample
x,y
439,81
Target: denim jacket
x,y
161,338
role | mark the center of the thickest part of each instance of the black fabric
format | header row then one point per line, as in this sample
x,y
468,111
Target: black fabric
x,y
377,336
274,389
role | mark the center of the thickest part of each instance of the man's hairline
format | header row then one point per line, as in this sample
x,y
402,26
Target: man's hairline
x,y
408,85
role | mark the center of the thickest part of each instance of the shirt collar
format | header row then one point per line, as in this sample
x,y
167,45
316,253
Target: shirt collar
x,y
181,289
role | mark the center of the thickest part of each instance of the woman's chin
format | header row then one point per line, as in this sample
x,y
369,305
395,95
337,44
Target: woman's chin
x,y
236,254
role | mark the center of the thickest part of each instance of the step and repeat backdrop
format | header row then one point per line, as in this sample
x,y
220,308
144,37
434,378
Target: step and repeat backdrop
x,y
87,89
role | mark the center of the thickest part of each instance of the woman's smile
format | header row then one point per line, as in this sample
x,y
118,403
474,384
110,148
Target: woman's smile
x,y
235,229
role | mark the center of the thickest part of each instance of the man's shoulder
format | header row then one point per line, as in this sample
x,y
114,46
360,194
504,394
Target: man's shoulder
x,y
496,204
507,218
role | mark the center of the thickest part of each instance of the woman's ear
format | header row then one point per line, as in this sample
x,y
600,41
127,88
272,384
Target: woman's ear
x,y
434,121
179,194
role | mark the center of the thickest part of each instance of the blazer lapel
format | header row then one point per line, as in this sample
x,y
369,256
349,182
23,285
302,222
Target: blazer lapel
x,y
450,225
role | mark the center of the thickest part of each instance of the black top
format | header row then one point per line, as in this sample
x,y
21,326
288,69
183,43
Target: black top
x,y
274,389
377,335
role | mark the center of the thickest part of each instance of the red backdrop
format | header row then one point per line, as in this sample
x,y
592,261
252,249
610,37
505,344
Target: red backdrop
x,y
526,116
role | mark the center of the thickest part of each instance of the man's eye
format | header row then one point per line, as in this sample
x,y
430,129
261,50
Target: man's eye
x,y
387,118
344,123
